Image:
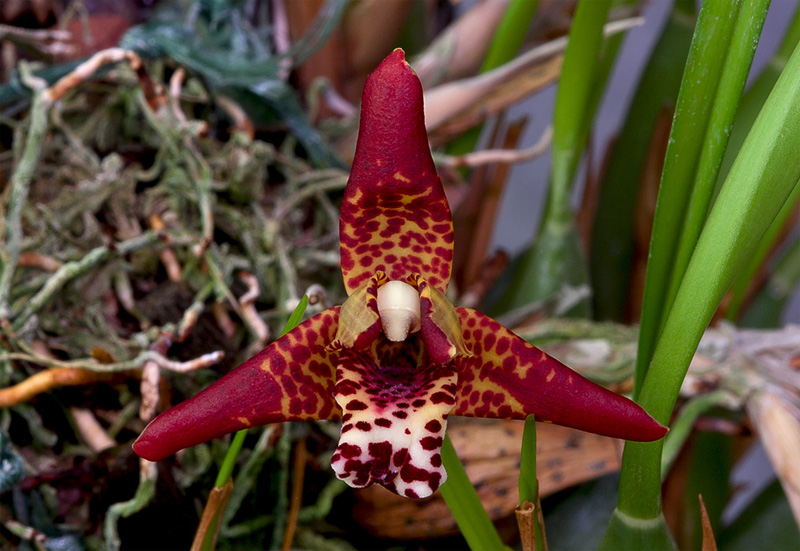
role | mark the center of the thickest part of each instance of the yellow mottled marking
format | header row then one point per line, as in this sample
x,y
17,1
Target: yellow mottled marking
x,y
550,375
399,176
245,421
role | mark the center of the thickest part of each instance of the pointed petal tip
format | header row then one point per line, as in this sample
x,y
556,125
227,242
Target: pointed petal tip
x,y
660,432
640,426
511,379
147,448
398,54
394,62
289,380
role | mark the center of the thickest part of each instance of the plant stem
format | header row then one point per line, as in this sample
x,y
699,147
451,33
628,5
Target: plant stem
x,y
226,470
762,178
464,503
529,483
18,197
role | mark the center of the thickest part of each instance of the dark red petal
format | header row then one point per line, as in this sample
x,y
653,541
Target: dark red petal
x,y
511,379
289,380
440,327
395,216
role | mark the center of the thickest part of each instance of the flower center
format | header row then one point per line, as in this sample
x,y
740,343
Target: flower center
x,y
398,308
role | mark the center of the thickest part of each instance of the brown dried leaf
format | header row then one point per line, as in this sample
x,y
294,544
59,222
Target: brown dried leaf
x,y
212,516
565,457
778,423
459,50
475,218
709,543
367,33
455,107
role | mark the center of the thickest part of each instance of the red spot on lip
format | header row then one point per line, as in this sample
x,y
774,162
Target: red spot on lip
x,y
348,451
381,453
430,443
400,457
433,426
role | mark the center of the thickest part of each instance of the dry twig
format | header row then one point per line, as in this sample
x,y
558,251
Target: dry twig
x,y
499,156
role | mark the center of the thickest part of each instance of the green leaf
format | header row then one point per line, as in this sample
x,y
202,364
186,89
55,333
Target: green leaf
x,y
464,503
613,241
296,317
510,33
704,68
528,483
767,523
682,427
762,178
751,103
556,257
740,53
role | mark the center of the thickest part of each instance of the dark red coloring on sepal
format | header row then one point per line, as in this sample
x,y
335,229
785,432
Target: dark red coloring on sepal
x,y
395,216
290,380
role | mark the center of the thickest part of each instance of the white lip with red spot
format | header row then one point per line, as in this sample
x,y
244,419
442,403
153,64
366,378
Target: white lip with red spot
x,y
394,419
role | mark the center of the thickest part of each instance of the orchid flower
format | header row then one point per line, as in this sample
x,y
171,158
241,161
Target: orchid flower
x,y
397,357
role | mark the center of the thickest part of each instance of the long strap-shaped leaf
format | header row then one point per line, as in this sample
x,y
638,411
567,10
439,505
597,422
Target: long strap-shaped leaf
x,y
761,179
704,67
752,102
731,84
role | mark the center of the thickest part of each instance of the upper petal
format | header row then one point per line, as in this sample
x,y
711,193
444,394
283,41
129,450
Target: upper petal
x,y
395,215
289,380
511,379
